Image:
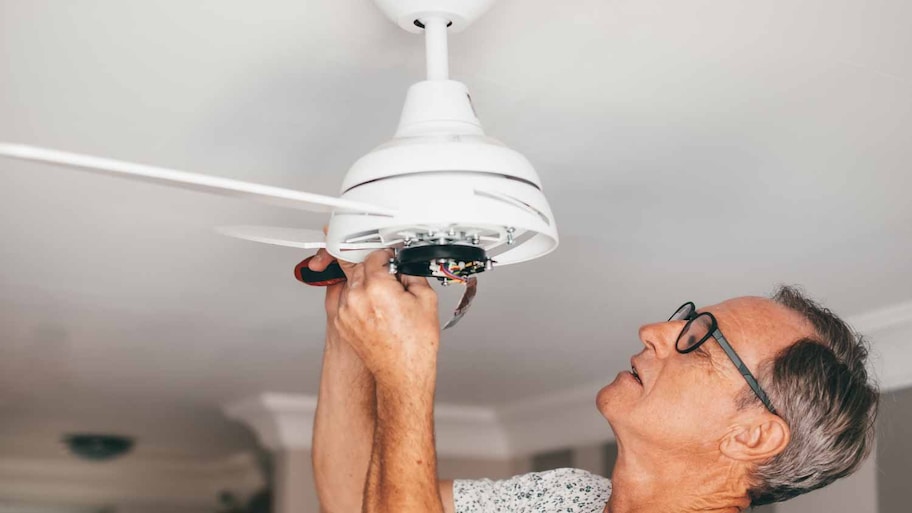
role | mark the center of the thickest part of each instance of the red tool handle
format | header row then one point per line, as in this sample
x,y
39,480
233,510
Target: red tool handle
x,y
330,276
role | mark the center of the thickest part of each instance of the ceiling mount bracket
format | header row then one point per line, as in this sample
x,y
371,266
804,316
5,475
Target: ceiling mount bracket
x,y
410,14
421,25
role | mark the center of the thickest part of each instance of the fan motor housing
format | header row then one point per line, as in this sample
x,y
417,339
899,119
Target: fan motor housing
x,y
509,218
438,131
448,183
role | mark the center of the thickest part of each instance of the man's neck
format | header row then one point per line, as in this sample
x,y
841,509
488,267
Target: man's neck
x,y
675,484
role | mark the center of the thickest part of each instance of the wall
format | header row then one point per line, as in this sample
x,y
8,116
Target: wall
x,y
854,494
894,451
294,488
475,468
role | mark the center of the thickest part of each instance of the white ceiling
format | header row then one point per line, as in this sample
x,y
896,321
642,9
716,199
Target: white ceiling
x,y
690,150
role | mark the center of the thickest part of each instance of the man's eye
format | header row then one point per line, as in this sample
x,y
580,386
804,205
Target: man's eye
x,y
702,352
690,340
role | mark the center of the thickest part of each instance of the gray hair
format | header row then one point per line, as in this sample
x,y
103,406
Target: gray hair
x,y
821,388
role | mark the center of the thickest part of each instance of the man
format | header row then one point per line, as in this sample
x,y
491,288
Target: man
x,y
747,402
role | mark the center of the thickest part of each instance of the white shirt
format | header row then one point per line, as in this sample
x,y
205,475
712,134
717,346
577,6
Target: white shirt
x,y
565,490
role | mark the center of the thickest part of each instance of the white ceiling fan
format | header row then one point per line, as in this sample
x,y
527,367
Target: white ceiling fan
x,y
449,200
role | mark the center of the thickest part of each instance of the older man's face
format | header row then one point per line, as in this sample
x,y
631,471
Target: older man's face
x,y
689,400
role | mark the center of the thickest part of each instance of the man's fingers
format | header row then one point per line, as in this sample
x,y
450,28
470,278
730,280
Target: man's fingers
x,y
415,284
356,274
376,265
320,261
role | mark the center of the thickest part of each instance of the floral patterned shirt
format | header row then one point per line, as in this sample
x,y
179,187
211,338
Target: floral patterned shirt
x,y
565,490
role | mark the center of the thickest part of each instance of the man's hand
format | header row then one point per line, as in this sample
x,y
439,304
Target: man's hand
x,y
390,322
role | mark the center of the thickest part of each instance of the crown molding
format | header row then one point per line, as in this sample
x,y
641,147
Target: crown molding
x,y
470,432
280,421
876,321
285,422
889,331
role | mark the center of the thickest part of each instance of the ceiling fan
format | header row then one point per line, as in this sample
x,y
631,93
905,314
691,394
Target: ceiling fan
x,y
449,200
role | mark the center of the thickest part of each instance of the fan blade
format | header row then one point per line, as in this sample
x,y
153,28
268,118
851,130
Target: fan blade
x,y
290,237
273,195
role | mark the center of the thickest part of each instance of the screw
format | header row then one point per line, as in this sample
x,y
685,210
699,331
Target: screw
x,y
393,268
489,264
475,240
510,231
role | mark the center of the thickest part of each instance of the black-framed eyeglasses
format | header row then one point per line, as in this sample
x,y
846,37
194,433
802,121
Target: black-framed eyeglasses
x,y
699,328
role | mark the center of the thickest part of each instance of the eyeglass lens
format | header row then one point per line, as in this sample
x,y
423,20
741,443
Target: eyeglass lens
x,y
683,313
696,331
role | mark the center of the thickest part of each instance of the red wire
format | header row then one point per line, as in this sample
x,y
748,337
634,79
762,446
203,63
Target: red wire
x,y
450,275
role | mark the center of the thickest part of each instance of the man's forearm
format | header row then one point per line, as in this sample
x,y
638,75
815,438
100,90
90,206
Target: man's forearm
x,y
403,472
343,428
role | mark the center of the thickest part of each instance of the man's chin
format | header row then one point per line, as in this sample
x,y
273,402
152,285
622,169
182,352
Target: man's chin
x,y
606,401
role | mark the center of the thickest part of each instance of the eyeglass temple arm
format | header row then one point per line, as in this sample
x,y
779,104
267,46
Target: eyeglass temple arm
x,y
742,368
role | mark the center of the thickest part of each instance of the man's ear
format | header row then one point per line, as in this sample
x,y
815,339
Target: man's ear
x,y
757,439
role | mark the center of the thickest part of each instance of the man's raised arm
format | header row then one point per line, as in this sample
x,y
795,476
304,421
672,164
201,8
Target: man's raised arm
x,y
392,325
344,421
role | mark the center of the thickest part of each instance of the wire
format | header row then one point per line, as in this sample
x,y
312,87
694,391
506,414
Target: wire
x,y
450,275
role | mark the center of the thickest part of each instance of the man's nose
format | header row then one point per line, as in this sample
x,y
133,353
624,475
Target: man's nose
x,y
660,337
